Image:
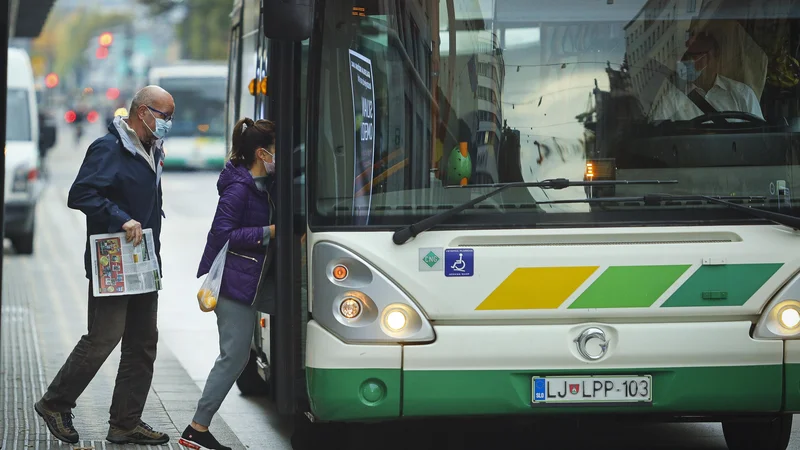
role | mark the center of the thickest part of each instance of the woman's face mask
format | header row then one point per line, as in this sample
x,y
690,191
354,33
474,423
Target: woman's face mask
x,y
270,166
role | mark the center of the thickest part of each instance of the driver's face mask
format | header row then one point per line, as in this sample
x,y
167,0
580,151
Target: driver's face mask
x,y
687,69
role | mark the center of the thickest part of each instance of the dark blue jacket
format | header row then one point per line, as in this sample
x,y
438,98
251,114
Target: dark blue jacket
x,y
242,213
114,185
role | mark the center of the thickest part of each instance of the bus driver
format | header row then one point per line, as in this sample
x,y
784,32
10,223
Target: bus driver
x,y
708,91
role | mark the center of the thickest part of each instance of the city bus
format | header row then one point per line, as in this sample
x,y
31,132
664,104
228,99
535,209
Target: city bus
x,y
626,249
197,138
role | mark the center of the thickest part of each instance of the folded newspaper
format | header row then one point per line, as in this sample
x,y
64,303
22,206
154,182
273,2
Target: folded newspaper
x,y
122,269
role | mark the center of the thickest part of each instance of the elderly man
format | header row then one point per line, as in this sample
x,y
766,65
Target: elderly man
x,y
707,90
118,188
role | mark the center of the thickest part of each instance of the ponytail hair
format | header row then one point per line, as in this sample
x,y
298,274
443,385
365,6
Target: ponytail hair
x,y
249,135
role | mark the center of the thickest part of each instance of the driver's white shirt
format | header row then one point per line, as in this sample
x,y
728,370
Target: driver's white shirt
x,y
725,95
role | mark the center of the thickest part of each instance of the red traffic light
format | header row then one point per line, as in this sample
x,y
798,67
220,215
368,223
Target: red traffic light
x,y
70,116
106,39
101,53
92,116
112,93
51,80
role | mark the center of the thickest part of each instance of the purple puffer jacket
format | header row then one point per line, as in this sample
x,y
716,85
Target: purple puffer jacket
x,y
242,213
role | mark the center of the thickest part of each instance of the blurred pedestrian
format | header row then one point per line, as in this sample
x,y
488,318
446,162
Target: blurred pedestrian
x,y
118,187
244,219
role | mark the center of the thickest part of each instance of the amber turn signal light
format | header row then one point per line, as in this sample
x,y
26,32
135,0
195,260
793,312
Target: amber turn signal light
x,y
339,272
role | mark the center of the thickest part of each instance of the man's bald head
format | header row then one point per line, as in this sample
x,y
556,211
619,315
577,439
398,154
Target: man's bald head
x,y
149,104
151,96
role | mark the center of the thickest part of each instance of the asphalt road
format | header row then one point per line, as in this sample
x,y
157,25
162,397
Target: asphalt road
x,y
191,335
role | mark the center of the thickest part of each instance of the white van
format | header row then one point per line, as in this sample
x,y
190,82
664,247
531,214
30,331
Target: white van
x,y
22,185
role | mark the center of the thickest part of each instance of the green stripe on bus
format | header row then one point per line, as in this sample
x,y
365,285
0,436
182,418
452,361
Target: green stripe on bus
x,y
675,390
338,394
350,394
216,162
792,383
629,286
174,162
724,285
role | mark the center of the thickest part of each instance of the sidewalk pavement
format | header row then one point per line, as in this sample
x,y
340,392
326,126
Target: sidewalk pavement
x,y
43,316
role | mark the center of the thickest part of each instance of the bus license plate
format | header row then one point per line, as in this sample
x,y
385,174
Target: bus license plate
x,y
605,389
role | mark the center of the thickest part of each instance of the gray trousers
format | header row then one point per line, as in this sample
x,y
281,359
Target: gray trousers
x,y
236,322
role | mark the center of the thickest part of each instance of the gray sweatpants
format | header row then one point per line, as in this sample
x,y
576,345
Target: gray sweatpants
x,y
235,322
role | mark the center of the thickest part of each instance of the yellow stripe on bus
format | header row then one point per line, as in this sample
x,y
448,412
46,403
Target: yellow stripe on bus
x,y
536,288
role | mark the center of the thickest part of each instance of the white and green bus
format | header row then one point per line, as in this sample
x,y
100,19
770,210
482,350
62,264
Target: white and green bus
x,y
197,139
524,208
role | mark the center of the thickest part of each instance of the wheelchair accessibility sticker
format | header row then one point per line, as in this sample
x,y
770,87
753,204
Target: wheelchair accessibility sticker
x,y
459,262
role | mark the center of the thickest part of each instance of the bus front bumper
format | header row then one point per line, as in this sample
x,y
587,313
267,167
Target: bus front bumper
x,y
698,369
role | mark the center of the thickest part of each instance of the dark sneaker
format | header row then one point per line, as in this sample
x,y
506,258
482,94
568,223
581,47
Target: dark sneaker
x,y
200,440
59,423
143,434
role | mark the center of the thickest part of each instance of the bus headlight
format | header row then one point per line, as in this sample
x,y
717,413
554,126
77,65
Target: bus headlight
x,y
781,317
395,320
359,304
354,309
350,308
400,321
789,317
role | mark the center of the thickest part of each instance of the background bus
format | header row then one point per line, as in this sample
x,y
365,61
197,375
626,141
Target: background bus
x,y
197,138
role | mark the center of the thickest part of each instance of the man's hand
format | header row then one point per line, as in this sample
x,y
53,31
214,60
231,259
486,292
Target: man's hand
x,y
133,232
272,231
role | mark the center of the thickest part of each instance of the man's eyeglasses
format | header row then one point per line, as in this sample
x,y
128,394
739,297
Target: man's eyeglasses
x,y
163,114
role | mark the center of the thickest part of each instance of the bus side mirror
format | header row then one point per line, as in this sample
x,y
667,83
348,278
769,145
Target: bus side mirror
x,y
290,20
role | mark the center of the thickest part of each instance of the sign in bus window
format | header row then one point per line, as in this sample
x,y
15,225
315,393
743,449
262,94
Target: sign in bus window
x,y
362,86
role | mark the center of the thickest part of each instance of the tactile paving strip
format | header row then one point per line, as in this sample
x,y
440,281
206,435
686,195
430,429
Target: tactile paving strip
x,y
23,381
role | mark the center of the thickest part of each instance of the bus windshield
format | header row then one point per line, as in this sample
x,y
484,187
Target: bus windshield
x,y
200,105
420,101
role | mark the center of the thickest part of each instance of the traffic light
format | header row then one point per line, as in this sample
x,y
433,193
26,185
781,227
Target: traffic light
x,y
106,39
51,80
101,53
112,93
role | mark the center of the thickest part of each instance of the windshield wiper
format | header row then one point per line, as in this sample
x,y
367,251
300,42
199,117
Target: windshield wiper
x,y
657,199
402,235
648,200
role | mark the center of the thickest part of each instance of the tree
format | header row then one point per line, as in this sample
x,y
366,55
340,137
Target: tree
x,y
64,37
205,28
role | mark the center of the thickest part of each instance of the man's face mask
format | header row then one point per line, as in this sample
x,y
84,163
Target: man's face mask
x,y
162,126
687,69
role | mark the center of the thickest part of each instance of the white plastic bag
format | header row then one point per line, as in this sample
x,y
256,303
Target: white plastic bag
x,y
209,291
